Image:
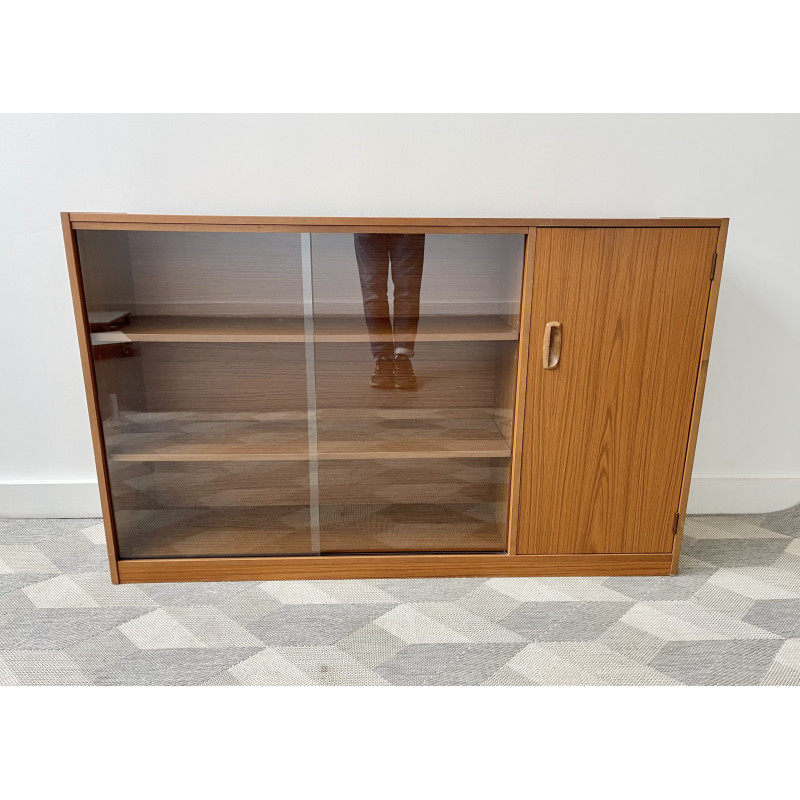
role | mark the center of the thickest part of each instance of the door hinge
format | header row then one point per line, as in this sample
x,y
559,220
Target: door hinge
x,y
675,523
714,266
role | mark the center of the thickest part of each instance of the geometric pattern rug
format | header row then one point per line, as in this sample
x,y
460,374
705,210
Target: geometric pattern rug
x,y
731,617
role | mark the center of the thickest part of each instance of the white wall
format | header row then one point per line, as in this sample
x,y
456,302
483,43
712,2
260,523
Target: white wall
x,y
744,167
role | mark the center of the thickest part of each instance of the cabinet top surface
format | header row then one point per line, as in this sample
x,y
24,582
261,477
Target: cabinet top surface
x,y
80,219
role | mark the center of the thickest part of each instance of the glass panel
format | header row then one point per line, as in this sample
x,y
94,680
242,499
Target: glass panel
x,y
205,508
413,505
415,363
237,424
198,342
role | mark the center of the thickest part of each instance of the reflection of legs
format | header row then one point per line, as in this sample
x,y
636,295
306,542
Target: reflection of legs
x,y
372,256
407,253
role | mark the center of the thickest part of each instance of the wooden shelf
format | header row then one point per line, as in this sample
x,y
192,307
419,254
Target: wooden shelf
x,y
226,531
284,530
413,527
379,434
428,433
473,328
291,329
188,436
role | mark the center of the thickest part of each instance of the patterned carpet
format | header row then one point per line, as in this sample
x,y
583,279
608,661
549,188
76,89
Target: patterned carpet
x,y
732,616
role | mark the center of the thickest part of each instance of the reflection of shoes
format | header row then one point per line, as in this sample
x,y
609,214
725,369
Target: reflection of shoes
x,y
404,377
383,377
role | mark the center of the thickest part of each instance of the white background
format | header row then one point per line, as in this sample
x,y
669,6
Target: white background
x,y
745,167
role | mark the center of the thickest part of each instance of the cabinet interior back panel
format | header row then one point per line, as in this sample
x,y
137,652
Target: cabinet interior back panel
x,y
473,274
196,377
449,375
218,274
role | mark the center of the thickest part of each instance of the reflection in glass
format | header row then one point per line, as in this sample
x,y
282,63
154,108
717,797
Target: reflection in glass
x,y
425,470
391,339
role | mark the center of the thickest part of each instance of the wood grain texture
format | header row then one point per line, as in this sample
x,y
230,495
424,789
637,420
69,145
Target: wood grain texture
x,y
227,532
207,484
214,484
84,344
106,274
452,328
698,395
518,400
222,377
269,530
220,274
606,433
455,375
229,227
455,328
402,223
413,481
394,566
425,434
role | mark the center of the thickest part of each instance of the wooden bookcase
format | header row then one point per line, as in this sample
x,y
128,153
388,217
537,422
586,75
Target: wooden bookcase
x,y
559,365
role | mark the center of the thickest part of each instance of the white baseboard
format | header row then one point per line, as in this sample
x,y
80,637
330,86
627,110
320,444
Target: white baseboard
x,y
742,495
49,499
707,496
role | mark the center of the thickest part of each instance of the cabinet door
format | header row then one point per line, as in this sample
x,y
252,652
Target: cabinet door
x,y
606,428
198,351
422,464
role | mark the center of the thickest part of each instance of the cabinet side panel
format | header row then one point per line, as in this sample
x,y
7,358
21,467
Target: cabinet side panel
x,y
84,343
699,391
607,428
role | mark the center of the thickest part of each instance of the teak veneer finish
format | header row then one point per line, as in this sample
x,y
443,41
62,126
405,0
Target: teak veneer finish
x,y
605,443
594,429
403,223
291,329
471,435
711,312
394,566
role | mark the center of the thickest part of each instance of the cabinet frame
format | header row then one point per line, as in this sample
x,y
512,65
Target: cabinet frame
x,y
392,565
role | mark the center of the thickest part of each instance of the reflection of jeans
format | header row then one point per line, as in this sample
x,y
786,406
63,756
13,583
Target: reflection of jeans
x,y
374,253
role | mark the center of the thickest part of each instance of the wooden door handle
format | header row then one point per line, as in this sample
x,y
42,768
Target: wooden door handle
x,y
551,346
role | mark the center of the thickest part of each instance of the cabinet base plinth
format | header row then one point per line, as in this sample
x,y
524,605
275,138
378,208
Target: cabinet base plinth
x,y
416,566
